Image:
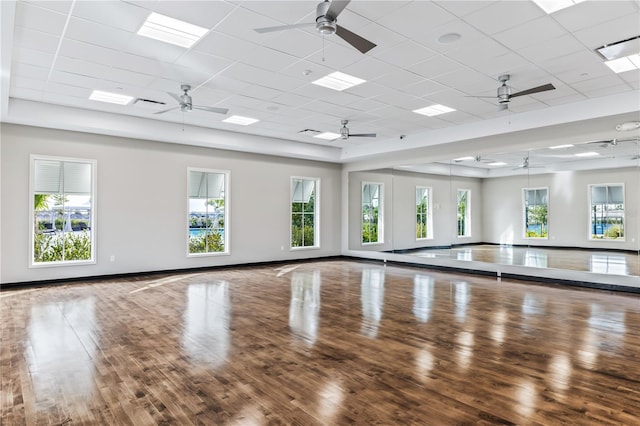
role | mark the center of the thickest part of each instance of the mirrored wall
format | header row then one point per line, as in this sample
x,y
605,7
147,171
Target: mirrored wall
x,y
567,212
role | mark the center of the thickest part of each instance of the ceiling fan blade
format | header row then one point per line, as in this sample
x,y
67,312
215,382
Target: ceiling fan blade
x,y
282,28
362,44
174,96
211,109
336,7
166,110
533,90
362,135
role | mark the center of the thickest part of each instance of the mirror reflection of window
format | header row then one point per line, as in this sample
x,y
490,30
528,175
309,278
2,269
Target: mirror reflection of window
x,y
305,304
607,212
608,264
536,213
372,297
463,219
206,323
424,216
535,259
372,213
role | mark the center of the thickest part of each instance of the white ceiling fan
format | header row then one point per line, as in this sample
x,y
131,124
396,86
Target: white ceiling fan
x,y
344,132
326,24
185,103
504,94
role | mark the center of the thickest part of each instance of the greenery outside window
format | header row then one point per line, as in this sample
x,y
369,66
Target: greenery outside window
x,y
304,217
208,211
463,219
424,224
536,212
607,212
372,213
62,209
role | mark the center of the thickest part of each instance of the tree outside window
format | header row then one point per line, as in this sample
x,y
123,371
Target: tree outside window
x,y
303,212
423,213
371,217
607,212
536,212
207,218
463,217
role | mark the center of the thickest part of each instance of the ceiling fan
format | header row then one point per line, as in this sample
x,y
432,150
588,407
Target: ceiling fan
x,y
504,92
344,132
525,165
612,142
185,104
326,24
476,159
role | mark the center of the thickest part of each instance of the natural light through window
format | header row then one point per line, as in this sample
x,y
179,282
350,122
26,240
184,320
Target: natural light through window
x,y
371,213
208,211
304,217
536,212
423,213
463,219
607,212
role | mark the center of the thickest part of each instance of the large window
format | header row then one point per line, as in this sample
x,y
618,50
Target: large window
x,y
536,212
423,213
371,213
304,220
208,211
62,208
607,212
464,213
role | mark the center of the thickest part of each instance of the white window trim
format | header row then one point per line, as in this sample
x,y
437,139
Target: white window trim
x,y
624,214
468,221
316,214
227,215
94,204
524,210
380,214
429,213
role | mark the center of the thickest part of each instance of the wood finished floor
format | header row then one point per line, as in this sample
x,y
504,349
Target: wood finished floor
x,y
331,342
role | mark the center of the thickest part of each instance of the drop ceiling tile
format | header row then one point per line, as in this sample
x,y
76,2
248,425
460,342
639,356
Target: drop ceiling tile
x,y
297,43
239,101
61,6
220,82
218,44
203,63
585,71
424,88
330,109
381,9
80,67
499,65
153,49
412,19
587,14
29,71
566,99
28,83
560,91
630,76
121,15
205,14
98,34
400,100
292,99
35,40
465,80
606,91
89,52
433,67
404,54
63,89
25,93
381,36
478,50
578,59
39,19
286,12
262,92
518,37
129,77
74,79
598,83
549,49
367,105
367,90
335,56
136,63
307,71
462,8
430,37
32,57
609,32
370,69
242,22
502,15
266,58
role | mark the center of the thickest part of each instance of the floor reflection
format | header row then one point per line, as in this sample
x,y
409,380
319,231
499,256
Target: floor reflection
x,y
305,304
60,348
608,264
372,297
462,299
206,323
423,295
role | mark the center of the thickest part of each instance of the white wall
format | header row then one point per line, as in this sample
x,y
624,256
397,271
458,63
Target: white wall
x,y
568,208
141,211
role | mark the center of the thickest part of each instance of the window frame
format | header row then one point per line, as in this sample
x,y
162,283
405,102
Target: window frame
x,y
428,213
316,214
227,220
590,207
93,207
525,213
467,227
380,213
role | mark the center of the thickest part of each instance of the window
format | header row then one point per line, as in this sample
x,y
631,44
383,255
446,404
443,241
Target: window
x,y
208,211
536,212
423,213
62,197
464,213
371,213
607,212
304,224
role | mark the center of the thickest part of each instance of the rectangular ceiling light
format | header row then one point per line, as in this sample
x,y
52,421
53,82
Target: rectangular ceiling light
x,y
587,154
170,30
243,121
464,159
433,110
338,81
112,98
628,63
550,6
328,136
620,49
497,163
561,146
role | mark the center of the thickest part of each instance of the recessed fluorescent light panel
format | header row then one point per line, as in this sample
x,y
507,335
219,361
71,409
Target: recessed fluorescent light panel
x,y
243,121
551,6
328,136
561,146
587,154
628,63
338,81
170,30
497,163
112,98
433,110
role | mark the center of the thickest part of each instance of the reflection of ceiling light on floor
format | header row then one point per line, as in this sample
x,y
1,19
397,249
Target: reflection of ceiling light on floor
x,y
587,154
